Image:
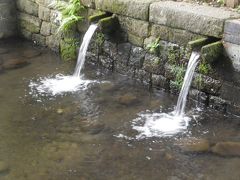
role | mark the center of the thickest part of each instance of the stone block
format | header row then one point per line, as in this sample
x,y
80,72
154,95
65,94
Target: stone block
x,y
233,52
232,31
135,40
44,13
123,53
204,20
53,42
30,23
39,39
135,8
54,29
218,103
230,92
153,64
137,57
212,52
45,28
179,36
232,3
45,3
159,81
55,17
27,7
134,26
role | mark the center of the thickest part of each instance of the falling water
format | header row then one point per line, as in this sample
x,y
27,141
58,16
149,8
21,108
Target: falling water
x,y
186,84
59,84
168,124
83,49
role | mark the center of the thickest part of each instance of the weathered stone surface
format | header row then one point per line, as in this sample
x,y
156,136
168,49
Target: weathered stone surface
x,y
137,57
53,42
198,96
45,3
153,64
45,28
28,7
230,92
194,145
218,103
135,40
203,20
159,81
30,23
233,52
134,26
227,148
110,48
232,3
55,17
232,31
54,29
44,13
135,8
198,43
173,35
8,19
39,39
123,54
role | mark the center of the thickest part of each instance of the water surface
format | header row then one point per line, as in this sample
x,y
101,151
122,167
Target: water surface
x,y
88,134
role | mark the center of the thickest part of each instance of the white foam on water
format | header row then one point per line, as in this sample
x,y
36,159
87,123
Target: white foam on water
x,y
159,125
59,84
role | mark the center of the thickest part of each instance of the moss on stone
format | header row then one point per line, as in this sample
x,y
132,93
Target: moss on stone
x,y
198,43
68,48
97,17
108,24
29,26
211,52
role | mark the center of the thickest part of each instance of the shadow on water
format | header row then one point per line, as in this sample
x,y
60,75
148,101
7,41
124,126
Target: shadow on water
x,y
88,134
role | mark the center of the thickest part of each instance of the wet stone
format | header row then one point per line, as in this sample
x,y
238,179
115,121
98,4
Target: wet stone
x,y
194,145
14,63
31,53
137,57
227,148
127,99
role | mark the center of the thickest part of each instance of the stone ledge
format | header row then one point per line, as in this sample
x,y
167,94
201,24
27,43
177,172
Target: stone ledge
x,y
138,9
198,19
232,31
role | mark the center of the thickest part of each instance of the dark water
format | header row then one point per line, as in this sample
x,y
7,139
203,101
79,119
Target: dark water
x,y
73,136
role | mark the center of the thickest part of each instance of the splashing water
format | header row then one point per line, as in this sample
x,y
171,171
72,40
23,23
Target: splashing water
x,y
62,84
83,49
162,124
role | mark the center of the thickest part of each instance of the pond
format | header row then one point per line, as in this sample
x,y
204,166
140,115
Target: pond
x,y
89,134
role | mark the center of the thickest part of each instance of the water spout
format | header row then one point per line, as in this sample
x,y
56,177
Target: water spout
x,y
83,50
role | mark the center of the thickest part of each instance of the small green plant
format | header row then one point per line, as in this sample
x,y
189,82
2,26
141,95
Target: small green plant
x,y
153,46
221,2
204,68
100,39
173,55
70,14
178,72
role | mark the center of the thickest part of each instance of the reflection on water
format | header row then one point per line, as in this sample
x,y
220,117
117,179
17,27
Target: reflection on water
x,y
88,134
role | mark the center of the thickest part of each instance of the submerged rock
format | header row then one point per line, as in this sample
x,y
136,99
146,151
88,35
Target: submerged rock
x,y
194,145
60,111
127,99
227,148
14,63
31,53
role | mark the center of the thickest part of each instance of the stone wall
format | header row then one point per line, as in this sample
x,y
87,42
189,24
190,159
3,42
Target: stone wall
x,y
7,18
151,43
